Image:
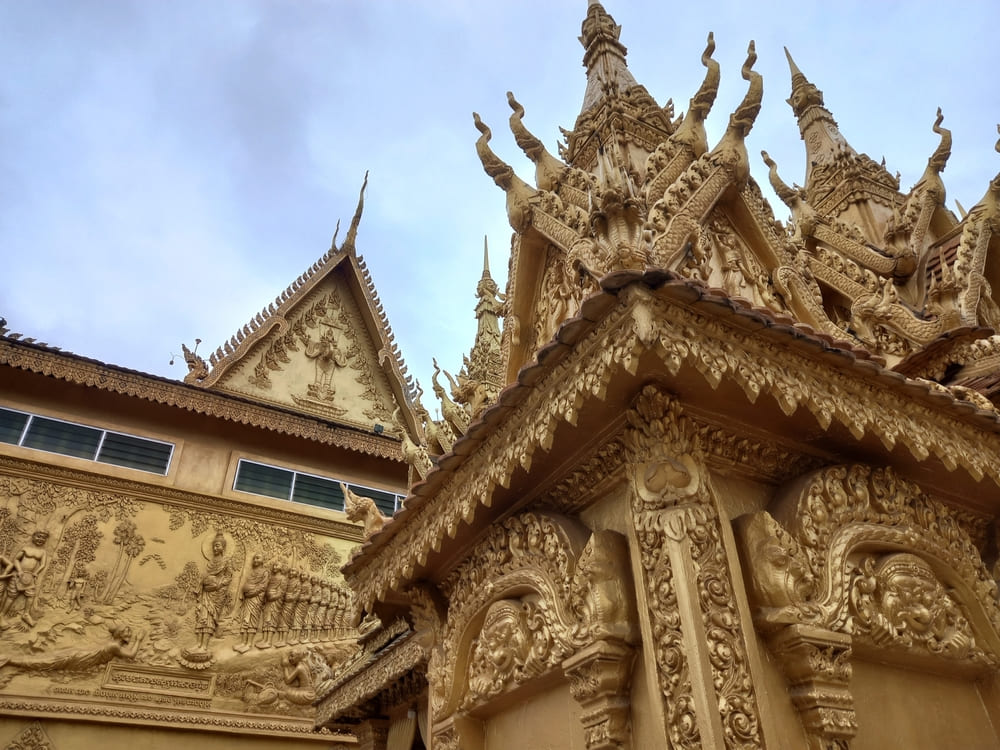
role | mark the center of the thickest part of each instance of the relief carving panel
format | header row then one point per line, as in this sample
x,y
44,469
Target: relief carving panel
x,y
109,600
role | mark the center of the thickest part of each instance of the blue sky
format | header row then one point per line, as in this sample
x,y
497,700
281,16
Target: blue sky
x,y
169,167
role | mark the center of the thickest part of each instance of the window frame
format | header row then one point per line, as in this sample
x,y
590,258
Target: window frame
x,y
95,458
397,498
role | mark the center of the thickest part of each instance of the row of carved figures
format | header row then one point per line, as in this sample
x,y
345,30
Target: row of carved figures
x,y
282,606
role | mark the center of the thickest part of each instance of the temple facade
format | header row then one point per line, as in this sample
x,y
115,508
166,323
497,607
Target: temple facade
x,y
706,479
170,551
740,488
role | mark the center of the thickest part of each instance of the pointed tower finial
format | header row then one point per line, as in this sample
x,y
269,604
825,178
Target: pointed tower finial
x,y
486,257
804,94
604,56
352,231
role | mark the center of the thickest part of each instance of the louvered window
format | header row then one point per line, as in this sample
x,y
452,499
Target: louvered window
x,y
80,441
285,484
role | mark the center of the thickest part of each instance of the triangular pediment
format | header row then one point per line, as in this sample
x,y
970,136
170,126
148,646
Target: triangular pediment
x,y
323,349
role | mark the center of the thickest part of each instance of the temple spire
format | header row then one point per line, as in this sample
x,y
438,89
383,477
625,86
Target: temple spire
x,y
824,142
352,231
604,56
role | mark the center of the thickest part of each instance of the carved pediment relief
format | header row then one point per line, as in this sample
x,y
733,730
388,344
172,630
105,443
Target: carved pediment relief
x,y
318,358
534,592
861,551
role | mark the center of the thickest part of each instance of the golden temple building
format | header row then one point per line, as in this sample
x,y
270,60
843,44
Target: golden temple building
x,y
705,479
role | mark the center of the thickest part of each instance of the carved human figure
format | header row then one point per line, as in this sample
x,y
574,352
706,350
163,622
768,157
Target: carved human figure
x,y
251,602
274,596
299,683
213,593
289,602
74,592
315,593
298,629
121,646
22,573
320,624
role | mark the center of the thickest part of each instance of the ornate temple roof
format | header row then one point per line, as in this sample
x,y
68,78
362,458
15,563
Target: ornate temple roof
x,y
329,321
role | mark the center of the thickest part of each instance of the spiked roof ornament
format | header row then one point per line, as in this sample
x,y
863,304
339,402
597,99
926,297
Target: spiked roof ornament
x,y
352,231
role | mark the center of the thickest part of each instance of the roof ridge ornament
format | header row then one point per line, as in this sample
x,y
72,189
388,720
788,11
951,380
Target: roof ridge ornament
x,y
692,128
352,230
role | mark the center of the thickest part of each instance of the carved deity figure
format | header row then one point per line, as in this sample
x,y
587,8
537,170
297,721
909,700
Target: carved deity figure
x,y
251,602
21,575
500,650
327,356
274,596
898,598
213,593
121,646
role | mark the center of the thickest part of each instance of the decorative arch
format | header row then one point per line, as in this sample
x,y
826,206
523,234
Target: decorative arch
x,y
852,556
536,595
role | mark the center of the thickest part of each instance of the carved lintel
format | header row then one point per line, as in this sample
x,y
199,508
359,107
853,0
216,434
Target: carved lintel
x,y
817,663
372,734
599,681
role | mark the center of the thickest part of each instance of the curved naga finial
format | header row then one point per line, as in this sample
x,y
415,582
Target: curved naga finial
x,y
731,150
940,156
692,128
494,166
745,115
352,230
548,169
518,191
794,197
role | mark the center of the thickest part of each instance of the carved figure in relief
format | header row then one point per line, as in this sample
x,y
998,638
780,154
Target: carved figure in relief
x,y
608,607
74,593
501,649
362,509
251,602
20,576
301,609
299,684
274,597
899,598
327,357
121,646
213,593
289,601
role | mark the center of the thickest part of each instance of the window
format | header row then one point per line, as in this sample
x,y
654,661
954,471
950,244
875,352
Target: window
x,y
80,441
285,484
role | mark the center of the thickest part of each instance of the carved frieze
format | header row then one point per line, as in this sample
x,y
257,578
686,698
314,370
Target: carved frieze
x,y
115,601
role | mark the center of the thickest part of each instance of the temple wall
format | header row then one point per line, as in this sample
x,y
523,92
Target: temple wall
x,y
72,735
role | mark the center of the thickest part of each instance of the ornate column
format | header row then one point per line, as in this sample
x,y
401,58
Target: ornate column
x,y
691,625
817,664
599,681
